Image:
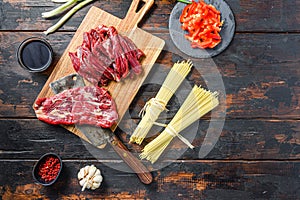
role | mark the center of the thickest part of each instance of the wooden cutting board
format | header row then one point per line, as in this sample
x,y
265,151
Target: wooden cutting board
x,y
124,91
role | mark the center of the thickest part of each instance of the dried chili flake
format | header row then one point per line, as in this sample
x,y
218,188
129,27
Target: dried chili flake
x,y
49,168
203,23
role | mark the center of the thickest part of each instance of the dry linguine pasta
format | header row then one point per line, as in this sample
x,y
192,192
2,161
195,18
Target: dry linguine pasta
x,y
198,103
156,105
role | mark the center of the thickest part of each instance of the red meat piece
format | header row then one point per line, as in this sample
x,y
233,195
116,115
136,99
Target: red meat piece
x,y
84,105
105,55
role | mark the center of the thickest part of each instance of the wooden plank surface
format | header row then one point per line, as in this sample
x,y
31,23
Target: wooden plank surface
x,y
253,87
251,16
256,156
189,180
254,139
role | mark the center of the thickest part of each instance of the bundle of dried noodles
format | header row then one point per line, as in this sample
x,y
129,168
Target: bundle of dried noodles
x,y
198,103
155,106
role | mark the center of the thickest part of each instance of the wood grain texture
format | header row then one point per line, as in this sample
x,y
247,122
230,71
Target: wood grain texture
x,y
197,180
251,16
256,156
240,139
260,74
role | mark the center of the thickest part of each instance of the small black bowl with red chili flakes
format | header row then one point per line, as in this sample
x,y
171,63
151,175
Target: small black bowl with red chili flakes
x,y
47,169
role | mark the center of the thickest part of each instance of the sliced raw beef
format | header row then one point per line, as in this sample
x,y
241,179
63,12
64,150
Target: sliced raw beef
x,y
105,55
84,105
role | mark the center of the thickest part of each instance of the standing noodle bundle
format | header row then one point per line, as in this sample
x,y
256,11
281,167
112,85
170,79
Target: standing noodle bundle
x,y
198,103
156,105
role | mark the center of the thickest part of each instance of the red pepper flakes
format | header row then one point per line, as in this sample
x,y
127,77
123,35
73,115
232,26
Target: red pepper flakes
x,y
49,168
203,23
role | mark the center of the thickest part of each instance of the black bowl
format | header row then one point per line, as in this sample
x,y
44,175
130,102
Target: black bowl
x,y
35,54
36,168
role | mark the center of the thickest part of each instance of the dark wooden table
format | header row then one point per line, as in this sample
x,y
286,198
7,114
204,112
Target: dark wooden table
x,y
257,155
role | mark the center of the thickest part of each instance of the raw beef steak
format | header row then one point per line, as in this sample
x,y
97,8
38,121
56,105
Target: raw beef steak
x,y
105,55
84,105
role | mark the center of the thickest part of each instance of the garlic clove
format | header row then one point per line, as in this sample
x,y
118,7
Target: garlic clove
x,y
98,172
81,174
92,171
86,170
98,179
89,184
95,185
82,182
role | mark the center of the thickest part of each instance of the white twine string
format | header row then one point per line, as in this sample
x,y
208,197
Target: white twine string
x,y
154,102
171,130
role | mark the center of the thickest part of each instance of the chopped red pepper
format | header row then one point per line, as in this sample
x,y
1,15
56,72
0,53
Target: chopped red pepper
x,y
49,168
203,23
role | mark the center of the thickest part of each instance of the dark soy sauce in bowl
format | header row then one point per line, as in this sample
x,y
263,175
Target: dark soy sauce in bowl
x,y
35,54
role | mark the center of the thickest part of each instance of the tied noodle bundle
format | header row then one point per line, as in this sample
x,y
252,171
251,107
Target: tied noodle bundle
x,y
198,103
155,106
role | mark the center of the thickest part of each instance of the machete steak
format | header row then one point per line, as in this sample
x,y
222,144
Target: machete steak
x,y
105,55
90,105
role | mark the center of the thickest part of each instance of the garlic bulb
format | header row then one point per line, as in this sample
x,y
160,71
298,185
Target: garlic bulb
x,y
89,177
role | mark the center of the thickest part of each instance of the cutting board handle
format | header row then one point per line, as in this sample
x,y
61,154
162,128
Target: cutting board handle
x,y
133,16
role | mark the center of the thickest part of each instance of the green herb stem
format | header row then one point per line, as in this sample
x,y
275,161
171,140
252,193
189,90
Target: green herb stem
x,y
66,16
59,1
185,1
59,9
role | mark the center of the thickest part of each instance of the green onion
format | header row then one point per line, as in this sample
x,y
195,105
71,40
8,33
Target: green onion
x,y
67,16
59,9
185,1
59,1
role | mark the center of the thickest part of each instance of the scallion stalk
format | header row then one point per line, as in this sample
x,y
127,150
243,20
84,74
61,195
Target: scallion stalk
x,y
67,16
185,1
59,1
59,9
